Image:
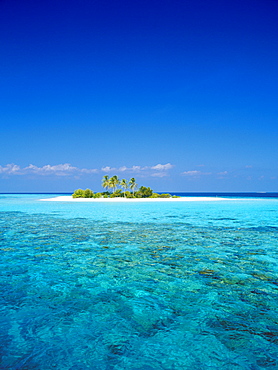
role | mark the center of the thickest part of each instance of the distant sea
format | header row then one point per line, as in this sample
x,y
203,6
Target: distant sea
x,y
228,195
139,286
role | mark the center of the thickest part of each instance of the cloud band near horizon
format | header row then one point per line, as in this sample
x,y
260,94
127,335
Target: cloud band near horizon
x,y
66,169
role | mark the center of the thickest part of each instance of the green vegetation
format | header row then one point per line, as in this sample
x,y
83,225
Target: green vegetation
x,y
113,182
79,193
132,185
88,193
144,192
124,185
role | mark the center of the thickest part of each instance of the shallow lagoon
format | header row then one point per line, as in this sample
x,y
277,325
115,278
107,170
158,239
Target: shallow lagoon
x,y
188,285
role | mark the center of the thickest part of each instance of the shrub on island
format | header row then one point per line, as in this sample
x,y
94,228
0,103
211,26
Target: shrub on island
x,y
79,193
144,192
88,193
128,194
155,195
117,194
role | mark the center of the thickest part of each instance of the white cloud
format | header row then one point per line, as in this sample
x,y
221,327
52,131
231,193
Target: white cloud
x,y
10,169
139,169
223,173
191,173
129,169
195,173
48,169
89,170
122,169
162,167
67,169
108,169
136,168
159,174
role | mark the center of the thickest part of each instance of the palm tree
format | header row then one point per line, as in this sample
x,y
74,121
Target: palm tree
x,y
124,185
132,184
114,181
106,182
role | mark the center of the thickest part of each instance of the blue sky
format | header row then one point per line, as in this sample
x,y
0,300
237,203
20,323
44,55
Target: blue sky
x,y
181,95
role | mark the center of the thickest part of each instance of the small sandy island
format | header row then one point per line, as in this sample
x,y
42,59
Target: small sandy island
x,y
69,198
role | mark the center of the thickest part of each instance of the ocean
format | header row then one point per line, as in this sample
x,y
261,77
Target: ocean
x,y
147,286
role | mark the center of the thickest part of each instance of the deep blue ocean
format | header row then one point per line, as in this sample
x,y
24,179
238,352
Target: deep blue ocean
x,y
139,286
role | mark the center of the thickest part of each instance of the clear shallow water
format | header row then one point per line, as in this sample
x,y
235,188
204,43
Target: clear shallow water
x,y
138,286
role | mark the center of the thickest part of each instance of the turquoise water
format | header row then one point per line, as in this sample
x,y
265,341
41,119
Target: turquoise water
x,y
189,285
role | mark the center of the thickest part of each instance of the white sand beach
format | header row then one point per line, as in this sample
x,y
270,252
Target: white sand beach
x,y
69,198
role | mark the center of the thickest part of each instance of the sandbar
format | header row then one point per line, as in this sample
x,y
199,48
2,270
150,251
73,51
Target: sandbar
x,y
69,198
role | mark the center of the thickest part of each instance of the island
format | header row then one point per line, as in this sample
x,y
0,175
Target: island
x,y
126,193
127,190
